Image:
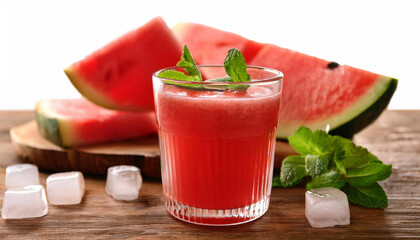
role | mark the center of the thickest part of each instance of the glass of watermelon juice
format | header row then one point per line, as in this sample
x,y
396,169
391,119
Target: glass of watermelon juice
x,y
217,145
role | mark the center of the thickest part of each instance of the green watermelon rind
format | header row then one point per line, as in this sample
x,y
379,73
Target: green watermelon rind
x,y
90,92
48,127
356,117
369,115
52,128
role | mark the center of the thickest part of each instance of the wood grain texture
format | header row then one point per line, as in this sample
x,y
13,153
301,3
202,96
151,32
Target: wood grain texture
x,y
93,159
96,159
394,138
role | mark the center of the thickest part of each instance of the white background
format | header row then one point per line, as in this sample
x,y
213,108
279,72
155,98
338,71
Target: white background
x,y
38,39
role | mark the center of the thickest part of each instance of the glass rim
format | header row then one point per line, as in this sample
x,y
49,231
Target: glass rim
x,y
278,76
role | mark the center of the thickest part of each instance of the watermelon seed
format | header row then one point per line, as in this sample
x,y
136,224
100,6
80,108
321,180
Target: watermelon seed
x,y
107,75
123,66
332,65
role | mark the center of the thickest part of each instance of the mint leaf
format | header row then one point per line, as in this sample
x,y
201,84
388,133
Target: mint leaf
x,y
339,165
331,178
333,161
301,140
304,141
316,164
221,79
327,143
171,74
278,183
319,142
351,155
372,196
187,62
235,66
292,170
368,174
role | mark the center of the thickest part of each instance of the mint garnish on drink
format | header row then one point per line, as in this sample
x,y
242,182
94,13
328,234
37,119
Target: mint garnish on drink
x,y
333,161
188,64
234,64
235,67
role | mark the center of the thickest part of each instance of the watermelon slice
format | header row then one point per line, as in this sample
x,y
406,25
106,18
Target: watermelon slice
x,y
119,75
325,95
210,45
76,122
317,93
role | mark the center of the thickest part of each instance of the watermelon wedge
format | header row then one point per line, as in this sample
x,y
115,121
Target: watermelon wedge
x,y
324,95
76,122
210,45
316,93
119,75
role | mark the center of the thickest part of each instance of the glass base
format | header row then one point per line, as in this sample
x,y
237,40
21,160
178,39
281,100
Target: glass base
x,y
216,217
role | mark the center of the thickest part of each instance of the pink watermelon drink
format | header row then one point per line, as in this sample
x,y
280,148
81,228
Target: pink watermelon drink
x,y
217,146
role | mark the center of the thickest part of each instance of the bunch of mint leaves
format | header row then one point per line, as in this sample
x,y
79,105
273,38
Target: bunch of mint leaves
x,y
333,161
234,64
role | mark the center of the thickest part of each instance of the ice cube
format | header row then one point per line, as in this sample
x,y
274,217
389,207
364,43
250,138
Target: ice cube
x,y
123,182
327,207
19,175
65,188
24,202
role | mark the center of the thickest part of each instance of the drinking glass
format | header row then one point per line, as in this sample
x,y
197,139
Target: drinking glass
x,y
217,142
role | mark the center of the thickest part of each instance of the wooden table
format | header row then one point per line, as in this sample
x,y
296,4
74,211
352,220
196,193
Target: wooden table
x,y
394,138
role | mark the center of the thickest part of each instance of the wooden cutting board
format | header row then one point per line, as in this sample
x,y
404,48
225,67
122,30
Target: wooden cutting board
x,y
96,159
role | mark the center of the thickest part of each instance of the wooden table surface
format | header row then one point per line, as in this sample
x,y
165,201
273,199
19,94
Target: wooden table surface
x,y
394,138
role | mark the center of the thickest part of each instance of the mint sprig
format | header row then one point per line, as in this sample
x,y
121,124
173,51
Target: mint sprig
x,y
171,74
371,196
292,170
235,67
234,64
188,64
333,161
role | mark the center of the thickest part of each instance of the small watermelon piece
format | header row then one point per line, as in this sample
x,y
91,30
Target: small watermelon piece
x,y
322,94
210,45
119,75
76,122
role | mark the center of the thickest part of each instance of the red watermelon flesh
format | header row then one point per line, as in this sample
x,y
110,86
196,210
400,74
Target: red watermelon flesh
x,y
119,75
210,45
76,122
318,93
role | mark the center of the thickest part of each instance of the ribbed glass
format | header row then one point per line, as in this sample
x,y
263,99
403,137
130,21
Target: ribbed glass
x,y
217,146
213,188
